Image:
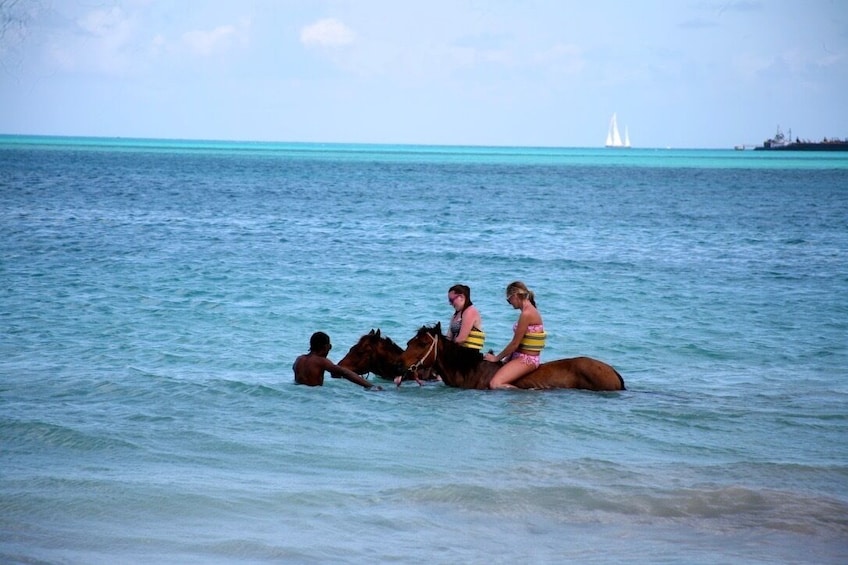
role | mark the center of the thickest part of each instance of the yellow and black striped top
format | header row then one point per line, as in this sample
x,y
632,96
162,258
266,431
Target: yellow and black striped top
x,y
475,339
533,341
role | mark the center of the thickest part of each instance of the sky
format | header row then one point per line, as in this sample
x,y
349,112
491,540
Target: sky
x,y
677,73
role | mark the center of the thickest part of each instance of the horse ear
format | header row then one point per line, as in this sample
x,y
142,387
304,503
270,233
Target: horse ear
x,y
439,327
371,332
378,332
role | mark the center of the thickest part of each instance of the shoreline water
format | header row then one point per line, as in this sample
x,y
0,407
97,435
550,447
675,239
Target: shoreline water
x,y
156,299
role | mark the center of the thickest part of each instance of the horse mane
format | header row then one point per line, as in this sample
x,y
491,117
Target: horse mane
x,y
386,339
463,359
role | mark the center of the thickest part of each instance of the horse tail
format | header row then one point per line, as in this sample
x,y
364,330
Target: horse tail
x,y
620,379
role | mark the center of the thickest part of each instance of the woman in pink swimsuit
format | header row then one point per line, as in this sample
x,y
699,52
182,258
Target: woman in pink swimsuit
x,y
521,355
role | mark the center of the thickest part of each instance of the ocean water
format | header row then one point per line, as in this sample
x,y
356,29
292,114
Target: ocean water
x,y
155,294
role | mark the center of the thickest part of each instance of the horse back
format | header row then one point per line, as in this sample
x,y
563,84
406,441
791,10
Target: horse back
x,y
576,372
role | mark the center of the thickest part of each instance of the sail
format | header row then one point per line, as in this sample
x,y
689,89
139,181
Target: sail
x,y
613,137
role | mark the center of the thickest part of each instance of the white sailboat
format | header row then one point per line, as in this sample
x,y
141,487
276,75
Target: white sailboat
x,y
613,137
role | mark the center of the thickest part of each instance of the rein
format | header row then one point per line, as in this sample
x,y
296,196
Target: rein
x,y
434,349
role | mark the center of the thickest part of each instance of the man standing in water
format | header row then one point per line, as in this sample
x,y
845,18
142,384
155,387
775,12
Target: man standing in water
x,y
309,369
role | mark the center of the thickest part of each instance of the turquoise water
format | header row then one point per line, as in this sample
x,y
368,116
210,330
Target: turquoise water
x,y
156,293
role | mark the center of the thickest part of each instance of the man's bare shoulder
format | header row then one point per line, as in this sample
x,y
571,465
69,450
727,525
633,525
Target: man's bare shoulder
x,y
309,369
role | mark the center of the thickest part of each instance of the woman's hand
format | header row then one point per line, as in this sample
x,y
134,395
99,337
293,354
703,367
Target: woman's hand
x,y
491,357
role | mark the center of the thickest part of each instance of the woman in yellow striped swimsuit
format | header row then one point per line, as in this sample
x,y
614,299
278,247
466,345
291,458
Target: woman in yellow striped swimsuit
x,y
522,354
466,325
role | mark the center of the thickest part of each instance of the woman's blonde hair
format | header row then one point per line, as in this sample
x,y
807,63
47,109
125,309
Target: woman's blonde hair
x,y
520,289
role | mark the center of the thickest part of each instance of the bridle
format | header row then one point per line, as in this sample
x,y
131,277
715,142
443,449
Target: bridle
x,y
434,349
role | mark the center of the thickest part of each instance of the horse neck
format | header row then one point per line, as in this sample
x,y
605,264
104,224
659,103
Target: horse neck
x,y
382,370
450,365
382,365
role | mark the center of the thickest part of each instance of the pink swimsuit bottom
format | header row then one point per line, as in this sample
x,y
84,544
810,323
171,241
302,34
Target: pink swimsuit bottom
x,y
529,360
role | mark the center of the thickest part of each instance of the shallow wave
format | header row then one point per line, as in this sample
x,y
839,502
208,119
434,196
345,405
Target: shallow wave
x,y
36,436
714,508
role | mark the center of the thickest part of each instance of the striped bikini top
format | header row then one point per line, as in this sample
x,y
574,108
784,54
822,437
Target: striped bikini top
x,y
476,337
534,339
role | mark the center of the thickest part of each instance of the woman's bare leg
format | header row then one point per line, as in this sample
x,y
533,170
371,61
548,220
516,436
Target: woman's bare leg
x,y
510,372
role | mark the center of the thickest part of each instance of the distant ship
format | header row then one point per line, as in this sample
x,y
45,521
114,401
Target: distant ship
x,y
781,142
614,138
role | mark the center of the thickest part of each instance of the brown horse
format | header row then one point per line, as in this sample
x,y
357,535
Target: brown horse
x,y
377,354
462,367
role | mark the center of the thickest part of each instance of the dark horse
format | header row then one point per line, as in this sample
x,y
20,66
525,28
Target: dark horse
x,y
462,367
377,354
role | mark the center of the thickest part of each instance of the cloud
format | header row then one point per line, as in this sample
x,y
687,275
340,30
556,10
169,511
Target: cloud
x,y
562,58
328,32
99,43
218,40
108,24
750,65
698,23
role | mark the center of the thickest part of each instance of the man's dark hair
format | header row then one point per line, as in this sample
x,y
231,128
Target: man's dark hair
x,y
318,341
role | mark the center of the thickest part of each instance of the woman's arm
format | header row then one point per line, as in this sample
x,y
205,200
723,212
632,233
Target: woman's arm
x,y
469,316
518,334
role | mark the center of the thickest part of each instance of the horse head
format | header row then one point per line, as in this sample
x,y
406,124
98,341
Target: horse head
x,y
374,353
457,365
422,350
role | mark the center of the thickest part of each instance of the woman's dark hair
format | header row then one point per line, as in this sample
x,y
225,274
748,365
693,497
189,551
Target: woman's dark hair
x,y
464,291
